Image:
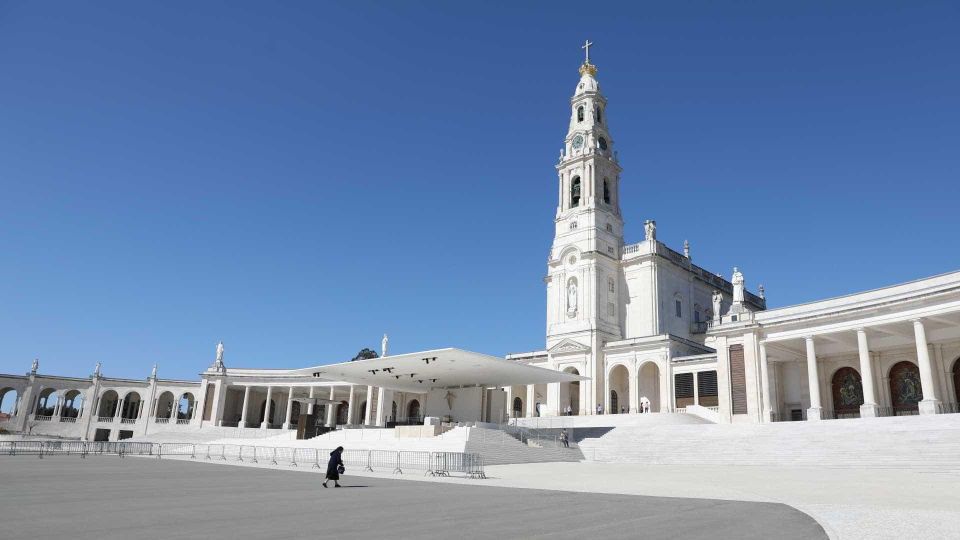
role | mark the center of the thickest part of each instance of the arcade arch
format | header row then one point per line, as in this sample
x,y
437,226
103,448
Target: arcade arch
x,y
619,389
648,385
570,394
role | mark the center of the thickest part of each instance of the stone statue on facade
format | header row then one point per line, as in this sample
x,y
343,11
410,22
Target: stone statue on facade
x,y
572,297
717,301
450,397
153,372
686,248
35,365
383,345
650,229
762,291
737,281
96,369
218,363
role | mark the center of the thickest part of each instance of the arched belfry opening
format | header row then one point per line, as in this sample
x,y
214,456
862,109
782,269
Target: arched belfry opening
x,y
575,192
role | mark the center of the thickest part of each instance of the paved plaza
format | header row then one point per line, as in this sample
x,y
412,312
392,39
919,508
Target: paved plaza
x,y
109,497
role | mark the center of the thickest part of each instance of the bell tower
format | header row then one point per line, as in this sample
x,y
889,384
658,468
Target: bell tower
x,y
584,272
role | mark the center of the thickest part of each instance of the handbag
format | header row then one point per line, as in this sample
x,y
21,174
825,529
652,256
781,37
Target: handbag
x,y
341,469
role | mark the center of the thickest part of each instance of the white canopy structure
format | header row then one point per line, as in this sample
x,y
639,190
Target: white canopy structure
x,y
440,368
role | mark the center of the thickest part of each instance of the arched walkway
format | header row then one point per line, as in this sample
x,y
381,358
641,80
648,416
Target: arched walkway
x,y
8,402
413,410
130,408
185,406
46,402
847,389
72,404
108,404
165,407
570,394
905,389
620,387
648,385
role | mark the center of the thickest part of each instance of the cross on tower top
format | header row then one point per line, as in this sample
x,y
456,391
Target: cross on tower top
x,y
586,47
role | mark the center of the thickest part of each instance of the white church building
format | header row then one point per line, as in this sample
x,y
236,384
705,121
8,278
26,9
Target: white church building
x,y
630,329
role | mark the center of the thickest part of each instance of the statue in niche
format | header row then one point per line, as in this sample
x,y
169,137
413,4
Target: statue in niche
x,y
650,229
737,281
717,301
572,297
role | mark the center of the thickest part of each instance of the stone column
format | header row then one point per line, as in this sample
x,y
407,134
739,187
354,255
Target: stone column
x,y
531,400
766,413
332,409
813,379
384,406
310,406
606,394
243,409
367,420
119,408
869,409
350,404
57,407
286,423
930,403
267,409
696,390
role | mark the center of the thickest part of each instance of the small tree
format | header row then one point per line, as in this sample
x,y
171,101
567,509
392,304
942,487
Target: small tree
x,y
365,354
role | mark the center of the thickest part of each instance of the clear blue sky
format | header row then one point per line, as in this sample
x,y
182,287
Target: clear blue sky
x,y
298,178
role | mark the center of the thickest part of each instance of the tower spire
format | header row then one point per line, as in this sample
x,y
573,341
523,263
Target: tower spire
x,y
587,67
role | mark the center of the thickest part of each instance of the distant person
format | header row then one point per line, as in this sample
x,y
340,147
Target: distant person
x,y
644,404
599,409
623,409
563,438
569,410
335,467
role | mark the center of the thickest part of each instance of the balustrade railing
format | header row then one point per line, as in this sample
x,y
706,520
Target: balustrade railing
x,y
42,418
182,421
128,420
104,419
68,419
162,420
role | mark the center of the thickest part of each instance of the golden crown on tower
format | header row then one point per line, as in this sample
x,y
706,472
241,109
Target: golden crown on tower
x,y
587,67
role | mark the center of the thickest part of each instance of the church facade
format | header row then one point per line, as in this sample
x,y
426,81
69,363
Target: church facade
x,y
655,332
644,328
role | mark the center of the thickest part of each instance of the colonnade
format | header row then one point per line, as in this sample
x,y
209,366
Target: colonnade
x,y
377,409
930,404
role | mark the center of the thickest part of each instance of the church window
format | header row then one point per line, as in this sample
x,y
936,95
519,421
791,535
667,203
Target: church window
x,y
679,306
606,193
599,121
575,192
602,143
580,114
609,228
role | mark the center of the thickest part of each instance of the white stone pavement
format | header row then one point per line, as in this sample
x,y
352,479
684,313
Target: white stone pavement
x,y
851,504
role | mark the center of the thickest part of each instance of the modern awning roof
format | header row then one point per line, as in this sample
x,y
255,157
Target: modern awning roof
x,y
440,368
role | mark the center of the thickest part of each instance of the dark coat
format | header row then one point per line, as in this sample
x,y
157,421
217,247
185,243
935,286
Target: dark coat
x,y
335,461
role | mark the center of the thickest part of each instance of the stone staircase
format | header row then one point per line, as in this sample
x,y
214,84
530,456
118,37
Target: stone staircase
x,y
916,442
498,448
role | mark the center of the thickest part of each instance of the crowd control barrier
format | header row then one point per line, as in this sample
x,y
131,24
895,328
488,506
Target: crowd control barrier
x,y
396,461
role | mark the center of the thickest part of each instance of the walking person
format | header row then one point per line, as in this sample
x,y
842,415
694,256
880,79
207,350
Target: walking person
x,y
335,467
563,438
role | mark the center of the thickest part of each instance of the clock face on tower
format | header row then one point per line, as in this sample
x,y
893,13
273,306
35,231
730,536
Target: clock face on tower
x,y
578,142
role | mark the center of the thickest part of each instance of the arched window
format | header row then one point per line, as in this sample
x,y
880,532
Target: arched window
x,y
580,113
413,410
575,192
847,393
517,406
614,406
599,120
905,389
606,191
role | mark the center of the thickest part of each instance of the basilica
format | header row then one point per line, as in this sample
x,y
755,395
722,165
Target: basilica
x,y
631,328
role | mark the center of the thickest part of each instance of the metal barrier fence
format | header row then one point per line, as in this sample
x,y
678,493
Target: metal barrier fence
x,y
396,461
80,448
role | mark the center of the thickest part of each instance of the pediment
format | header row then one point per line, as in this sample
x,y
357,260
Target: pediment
x,y
568,346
